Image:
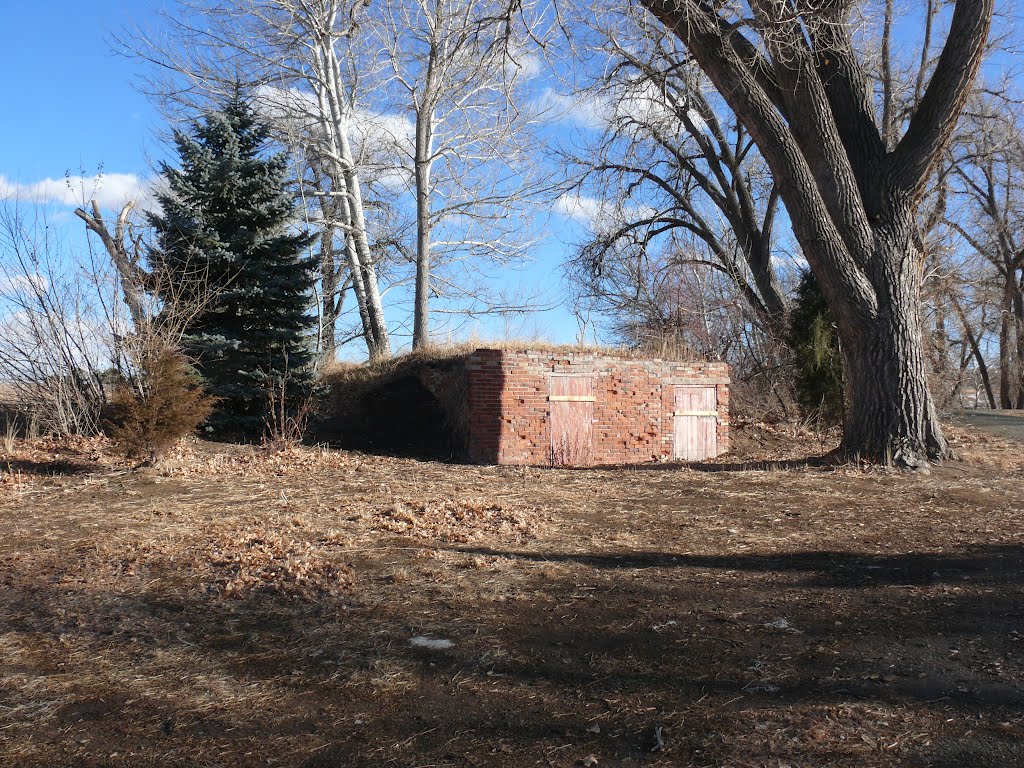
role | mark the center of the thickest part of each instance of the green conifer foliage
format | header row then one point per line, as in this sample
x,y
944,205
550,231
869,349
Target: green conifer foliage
x,y
820,382
227,244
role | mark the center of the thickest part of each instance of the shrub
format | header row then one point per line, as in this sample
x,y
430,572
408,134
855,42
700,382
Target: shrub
x,y
287,416
820,381
167,404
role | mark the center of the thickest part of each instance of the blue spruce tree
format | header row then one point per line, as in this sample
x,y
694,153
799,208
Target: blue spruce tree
x,y
227,244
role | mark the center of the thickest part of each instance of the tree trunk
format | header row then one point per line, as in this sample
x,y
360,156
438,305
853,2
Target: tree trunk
x,y
133,278
421,318
1018,326
891,416
1005,332
330,300
423,163
334,118
379,345
356,272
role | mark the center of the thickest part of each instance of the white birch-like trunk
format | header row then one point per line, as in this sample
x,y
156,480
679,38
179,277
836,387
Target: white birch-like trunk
x,y
334,120
422,166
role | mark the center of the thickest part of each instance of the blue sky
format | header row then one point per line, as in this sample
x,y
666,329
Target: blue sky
x,y
71,108
67,97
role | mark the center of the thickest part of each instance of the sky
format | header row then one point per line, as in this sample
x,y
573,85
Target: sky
x,y
72,108
68,99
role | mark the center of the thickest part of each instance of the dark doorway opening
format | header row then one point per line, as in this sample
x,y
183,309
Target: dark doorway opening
x,y
399,418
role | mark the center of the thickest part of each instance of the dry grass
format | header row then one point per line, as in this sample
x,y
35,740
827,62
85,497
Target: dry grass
x,y
358,376
233,607
440,353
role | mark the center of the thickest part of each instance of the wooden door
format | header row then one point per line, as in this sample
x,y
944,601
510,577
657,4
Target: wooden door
x,y
571,400
695,424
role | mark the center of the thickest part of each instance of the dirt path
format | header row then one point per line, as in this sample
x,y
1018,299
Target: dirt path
x,y
239,610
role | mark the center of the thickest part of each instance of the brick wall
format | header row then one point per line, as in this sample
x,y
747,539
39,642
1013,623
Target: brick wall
x,y
634,400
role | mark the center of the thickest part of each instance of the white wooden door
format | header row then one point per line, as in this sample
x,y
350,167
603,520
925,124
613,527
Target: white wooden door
x,y
695,423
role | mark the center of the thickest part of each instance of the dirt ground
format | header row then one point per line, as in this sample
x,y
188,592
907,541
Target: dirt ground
x,y
315,609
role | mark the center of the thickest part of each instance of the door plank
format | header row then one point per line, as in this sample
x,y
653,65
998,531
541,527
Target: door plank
x,y
572,420
695,434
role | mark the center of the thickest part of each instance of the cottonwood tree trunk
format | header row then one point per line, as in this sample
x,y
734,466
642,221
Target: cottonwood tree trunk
x,y
1018,317
422,163
332,300
1005,348
335,114
791,74
891,413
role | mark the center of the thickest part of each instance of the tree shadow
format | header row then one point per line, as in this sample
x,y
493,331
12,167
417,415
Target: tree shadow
x,y
999,564
708,647
52,468
778,465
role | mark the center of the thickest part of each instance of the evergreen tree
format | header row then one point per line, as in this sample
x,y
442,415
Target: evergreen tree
x,y
820,382
227,245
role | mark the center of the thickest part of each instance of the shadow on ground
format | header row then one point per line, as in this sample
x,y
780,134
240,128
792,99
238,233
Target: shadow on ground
x,y
640,658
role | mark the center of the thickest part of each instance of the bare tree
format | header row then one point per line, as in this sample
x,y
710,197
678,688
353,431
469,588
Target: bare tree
x,y
988,176
456,69
790,71
124,248
159,312
60,319
692,188
78,321
383,104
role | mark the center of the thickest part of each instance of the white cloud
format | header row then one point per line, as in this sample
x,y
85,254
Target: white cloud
x,y
50,344
394,179
600,215
21,284
581,208
524,66
592,112
110,190
297,109
640,102
369,128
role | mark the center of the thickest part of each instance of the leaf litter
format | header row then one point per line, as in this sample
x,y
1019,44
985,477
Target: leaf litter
x,y
233,601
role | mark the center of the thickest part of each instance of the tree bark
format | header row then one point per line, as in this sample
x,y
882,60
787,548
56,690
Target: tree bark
x,y
422,164
806,100
891,415
1005,332
421,319
334,116
1018,327
331,300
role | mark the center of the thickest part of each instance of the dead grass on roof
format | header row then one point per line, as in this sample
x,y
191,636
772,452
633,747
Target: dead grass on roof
x,y
441,354
343,385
